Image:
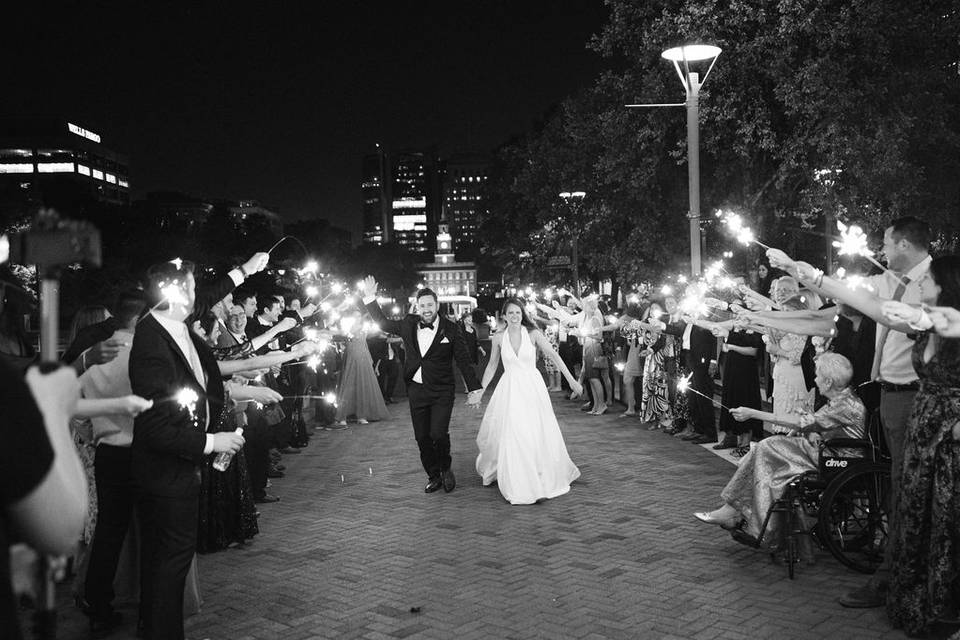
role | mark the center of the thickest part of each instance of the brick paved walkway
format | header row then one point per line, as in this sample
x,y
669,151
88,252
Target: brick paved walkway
x,y
355,549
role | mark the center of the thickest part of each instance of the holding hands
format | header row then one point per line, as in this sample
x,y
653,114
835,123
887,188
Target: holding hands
x,y
576,388
473,398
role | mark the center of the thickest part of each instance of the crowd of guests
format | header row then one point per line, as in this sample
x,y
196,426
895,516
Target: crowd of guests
x,y
122,447
178,407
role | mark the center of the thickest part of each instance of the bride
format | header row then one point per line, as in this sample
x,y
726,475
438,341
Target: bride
x,y
521,447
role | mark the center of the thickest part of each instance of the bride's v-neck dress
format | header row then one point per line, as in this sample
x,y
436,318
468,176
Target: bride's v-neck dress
x,y
521,447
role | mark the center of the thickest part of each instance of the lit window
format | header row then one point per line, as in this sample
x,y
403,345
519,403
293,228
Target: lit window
x,y
112,179
83,170
16,168
123,183
98,174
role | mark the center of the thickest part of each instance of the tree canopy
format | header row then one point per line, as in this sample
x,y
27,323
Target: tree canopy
x,y
815,108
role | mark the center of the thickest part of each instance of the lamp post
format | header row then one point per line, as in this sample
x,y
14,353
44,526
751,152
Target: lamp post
x,y
691,83
574,200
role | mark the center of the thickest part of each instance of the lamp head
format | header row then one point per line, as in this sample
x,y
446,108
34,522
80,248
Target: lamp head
x,y
691,53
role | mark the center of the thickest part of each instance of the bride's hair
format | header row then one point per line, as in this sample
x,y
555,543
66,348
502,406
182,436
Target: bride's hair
x,y
524,318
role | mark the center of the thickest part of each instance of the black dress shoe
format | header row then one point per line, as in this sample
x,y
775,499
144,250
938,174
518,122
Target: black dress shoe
x,y
266,498
701,440
728,443
289,450
275,473
449,480
434,484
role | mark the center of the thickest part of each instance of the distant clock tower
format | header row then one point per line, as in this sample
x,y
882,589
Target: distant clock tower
x,y
444,253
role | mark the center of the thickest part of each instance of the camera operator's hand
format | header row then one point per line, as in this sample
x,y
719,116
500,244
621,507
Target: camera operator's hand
x,y
104,352
56,393
227,442
286,324
256,263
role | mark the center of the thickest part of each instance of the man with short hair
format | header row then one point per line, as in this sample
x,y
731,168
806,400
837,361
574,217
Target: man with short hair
x,y
432,344
906,246
171,440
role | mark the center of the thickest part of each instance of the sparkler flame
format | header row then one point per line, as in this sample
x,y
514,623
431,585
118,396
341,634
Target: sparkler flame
x,y
313,362
312,291
683,383
853,241
187,399
173,293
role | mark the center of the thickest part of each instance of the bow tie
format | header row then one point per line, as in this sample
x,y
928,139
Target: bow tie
x,y
426,325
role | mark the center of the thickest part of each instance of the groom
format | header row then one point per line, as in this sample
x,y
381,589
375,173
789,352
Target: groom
x,y
432,344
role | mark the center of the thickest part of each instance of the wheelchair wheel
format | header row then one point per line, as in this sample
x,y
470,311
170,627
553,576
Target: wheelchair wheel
x,y
854,516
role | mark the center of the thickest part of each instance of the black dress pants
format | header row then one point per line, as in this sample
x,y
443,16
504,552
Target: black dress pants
x,y
701,409
431,412
169,543
116,499
257,450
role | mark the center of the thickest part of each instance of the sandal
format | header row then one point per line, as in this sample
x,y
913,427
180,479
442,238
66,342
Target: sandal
x,y
739,452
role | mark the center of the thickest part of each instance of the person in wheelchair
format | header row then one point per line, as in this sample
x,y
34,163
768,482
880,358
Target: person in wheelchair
x,y
771,464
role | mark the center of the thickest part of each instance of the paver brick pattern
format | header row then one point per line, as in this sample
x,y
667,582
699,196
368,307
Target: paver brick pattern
x,y
355,549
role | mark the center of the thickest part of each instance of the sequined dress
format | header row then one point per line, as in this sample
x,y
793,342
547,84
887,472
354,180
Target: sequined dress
x,y
765,471
926,550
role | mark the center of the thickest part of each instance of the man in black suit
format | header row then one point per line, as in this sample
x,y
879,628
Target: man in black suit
x,y
698,347
432,344
171,440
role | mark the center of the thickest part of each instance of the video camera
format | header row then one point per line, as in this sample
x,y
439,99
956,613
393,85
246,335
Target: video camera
x,y
54,243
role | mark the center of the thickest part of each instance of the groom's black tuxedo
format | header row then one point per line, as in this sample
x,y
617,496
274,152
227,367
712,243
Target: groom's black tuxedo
x,y
437,363
431,401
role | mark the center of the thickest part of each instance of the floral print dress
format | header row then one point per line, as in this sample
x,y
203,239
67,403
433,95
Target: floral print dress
x,y
926,549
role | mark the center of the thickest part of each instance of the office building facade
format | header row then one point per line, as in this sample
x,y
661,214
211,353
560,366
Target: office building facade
x,y
464,180
58,161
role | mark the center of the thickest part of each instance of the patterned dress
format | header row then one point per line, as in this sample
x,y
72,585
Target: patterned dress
x,y
772,463
790,394
655,403
926,549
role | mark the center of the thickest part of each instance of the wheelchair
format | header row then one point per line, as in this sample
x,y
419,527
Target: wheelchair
x,y
844,507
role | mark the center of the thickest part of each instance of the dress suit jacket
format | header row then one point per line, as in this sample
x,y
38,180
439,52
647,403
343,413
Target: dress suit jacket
x,y
703,344
437,363
167,443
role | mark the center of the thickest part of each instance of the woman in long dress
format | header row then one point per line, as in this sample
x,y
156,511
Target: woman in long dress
x,y
521,447
359,392
790,393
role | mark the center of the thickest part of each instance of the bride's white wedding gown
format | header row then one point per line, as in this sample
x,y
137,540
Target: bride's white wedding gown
x,y
521,447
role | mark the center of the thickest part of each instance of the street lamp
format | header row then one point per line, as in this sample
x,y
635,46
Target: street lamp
x,y
683,56
574,200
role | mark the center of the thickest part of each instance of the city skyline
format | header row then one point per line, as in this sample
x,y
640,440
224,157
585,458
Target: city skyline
x,y
281,107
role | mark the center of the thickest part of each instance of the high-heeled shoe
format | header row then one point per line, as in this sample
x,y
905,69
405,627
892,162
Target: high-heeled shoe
x,y
723,523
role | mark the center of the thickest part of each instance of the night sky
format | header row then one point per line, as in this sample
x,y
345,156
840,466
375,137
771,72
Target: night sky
x,y
279,104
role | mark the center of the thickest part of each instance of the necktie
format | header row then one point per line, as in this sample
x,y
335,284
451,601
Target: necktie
x,y
426,325
885,331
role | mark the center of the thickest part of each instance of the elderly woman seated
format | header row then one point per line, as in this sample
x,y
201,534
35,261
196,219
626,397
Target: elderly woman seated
x,y
772,463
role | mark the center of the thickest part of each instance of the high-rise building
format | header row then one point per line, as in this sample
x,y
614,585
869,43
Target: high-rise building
x,y
375,187
401,199
463,197
60,162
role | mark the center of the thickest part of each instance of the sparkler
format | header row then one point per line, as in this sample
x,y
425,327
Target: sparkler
x,y
187,399
741,232
683,385
854,242
312,291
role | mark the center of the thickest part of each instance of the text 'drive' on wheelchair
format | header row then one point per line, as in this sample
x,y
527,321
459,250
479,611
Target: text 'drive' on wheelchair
x,y
843,507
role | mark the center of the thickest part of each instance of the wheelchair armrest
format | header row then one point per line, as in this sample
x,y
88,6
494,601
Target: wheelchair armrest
x,y
846,443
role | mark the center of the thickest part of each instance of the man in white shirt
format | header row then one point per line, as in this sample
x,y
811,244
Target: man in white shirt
x,y
906,245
